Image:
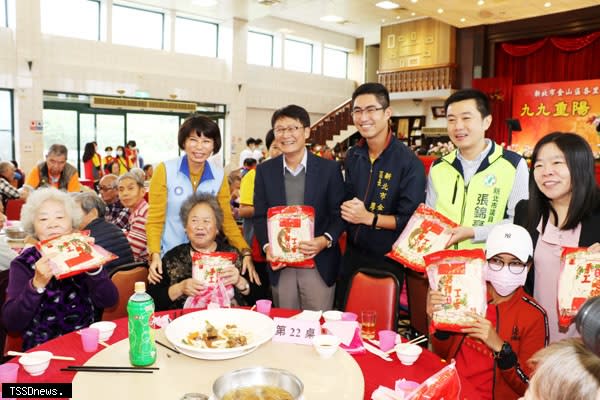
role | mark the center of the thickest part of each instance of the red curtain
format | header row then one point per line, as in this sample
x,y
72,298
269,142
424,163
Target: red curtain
x,y
551,59
499,90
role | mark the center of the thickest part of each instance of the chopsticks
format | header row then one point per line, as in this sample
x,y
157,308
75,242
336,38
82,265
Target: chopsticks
x,y
102,368
174,350
417,340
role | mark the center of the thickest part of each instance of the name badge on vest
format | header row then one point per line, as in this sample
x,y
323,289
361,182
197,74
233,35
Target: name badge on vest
x,y
178,190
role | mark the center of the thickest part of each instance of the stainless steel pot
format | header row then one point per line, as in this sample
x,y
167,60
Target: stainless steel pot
x,y
258,376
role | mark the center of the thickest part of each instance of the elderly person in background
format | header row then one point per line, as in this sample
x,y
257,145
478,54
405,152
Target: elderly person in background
x,y
116,213
105,234
54,172
565,370
202,219
131,193
6,253
38,305
7,189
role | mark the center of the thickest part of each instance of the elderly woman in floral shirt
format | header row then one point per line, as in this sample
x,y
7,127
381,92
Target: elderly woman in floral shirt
x,y
38,305
202,218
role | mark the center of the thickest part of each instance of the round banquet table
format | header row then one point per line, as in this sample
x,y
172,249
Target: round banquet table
x,y
356,376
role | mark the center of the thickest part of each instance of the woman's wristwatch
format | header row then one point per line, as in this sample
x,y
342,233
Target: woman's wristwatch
x,y
506,357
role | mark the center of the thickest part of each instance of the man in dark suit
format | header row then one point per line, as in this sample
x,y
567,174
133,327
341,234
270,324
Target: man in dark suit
x,y
300,178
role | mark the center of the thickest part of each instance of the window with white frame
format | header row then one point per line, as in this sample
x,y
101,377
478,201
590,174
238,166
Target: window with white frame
x,y
136,27
335,63
196,37
260,49
298,55
73,18
3,13
6,125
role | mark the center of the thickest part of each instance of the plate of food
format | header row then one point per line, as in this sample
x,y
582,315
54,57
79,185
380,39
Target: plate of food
x,y
220,334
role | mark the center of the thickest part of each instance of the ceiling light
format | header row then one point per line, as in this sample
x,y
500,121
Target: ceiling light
x,y
383,20
480,2
463,19
412,14
547,4
397,17
413,1
440,10
332,18
387,5
204,3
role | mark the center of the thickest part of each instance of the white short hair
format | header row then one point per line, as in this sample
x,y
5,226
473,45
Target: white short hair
x,y
41,196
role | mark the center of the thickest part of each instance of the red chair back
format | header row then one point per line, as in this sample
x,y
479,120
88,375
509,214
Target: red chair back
x,y
13,209
375,290
124,280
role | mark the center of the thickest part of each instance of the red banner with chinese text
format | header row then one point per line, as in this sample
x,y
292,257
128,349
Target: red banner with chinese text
x,y
556,106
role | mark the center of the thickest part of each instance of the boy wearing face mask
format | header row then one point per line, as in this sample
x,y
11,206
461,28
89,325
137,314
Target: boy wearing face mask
x,y
493,353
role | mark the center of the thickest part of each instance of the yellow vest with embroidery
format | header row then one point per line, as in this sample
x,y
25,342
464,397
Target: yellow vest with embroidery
x,y
480,203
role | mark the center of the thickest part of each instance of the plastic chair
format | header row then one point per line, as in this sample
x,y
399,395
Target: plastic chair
x,y
124,278
13,209
376,290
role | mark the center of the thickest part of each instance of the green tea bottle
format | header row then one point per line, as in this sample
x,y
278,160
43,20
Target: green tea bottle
x,y
142,349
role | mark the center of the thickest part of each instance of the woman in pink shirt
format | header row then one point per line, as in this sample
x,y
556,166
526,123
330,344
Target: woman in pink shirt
x,y
131,193
563,210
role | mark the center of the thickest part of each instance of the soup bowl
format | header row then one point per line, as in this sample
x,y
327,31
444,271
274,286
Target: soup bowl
x,y
258,376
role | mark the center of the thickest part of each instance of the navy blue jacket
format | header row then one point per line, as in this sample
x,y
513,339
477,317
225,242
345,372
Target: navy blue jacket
x,y
394,184
323,190
111,238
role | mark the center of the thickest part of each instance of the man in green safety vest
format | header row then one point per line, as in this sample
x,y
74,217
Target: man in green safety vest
x,y
479,184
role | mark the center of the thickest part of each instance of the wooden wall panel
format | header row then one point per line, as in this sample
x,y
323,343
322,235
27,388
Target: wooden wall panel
x,y
417,44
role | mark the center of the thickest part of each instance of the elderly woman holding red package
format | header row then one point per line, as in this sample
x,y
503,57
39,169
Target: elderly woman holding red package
x,y
38,305
206,269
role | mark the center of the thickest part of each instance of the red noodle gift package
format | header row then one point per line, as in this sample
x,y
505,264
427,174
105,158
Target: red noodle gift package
x,y
460,276
427,231
206,268
287,226
73,253
579,280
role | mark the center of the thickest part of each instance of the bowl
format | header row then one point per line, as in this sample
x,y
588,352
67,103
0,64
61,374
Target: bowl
x,y
326,345
332,315
408,353
106,329
15,232
36,362
258,376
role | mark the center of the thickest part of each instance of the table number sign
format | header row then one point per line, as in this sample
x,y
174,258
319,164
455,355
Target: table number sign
x,y
291,330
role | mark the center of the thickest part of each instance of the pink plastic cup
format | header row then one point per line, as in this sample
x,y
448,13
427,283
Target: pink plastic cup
x,y
349,316
387,340
263,306
89,339
405,386
8,374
